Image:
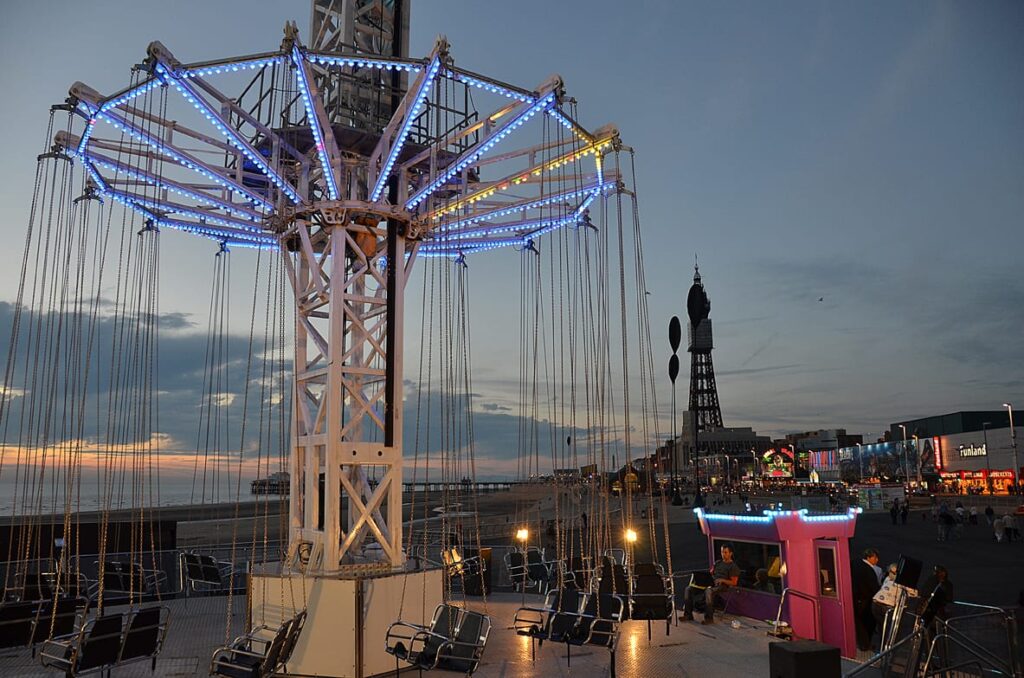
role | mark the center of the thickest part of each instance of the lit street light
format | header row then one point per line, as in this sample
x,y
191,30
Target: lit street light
x,y
988,466
1013,443
906,467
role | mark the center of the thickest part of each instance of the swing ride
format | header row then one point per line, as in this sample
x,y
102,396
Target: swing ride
x,y
339,166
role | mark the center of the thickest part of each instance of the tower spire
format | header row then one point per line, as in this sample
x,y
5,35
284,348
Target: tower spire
x,y
707,412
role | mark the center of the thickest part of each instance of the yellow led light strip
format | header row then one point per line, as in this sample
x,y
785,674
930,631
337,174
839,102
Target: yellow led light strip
x,y
517,179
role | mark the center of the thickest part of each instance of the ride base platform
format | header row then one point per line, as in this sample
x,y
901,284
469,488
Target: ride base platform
x,y
691,649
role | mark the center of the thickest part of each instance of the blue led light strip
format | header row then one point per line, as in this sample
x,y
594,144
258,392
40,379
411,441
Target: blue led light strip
x,y
570,125
411,112
528,205
486,144
162,207
233,137
770,516
168,185
488,86
314,124
251,64
364,62
113,102
184,159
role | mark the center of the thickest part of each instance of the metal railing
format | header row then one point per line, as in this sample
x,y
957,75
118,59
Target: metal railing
x,y
803,596
972,636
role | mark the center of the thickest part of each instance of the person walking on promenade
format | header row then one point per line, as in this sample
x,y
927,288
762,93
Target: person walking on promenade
x,y
1010,528
946,523
989,515
998,529
974,515
904,512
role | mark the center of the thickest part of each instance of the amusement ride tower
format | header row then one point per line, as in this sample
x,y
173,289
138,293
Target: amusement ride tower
x,y
349,161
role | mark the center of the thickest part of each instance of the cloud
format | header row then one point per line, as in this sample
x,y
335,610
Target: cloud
x,y
494,407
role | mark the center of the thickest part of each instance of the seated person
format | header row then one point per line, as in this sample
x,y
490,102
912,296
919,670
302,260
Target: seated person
x,y
762,583
725,573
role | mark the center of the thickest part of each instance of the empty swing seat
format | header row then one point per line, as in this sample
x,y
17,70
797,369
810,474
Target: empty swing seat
x,y
613,580
515,564
120,577
463,653
144,635
418,645
653,596
555,621
58,619
537,570
94,648
454,641
598,624
17,621
256,655
200,571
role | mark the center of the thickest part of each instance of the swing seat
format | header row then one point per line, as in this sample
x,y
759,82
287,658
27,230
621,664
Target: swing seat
x,y
254,654
58,619
598,624
121,577
653,596
613,580
555,621
416,644
144,635
454,641
202,572
17,622
109,641
94,648
538,571
515,565
455,564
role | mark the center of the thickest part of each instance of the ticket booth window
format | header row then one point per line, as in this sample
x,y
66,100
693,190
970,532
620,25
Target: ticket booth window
x,y
827,571
760,564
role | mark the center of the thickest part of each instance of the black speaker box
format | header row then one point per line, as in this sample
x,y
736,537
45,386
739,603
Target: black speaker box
x,y
804,659
908,572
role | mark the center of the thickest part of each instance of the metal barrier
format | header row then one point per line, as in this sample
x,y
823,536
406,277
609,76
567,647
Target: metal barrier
x,y
802,596
972,637
24,578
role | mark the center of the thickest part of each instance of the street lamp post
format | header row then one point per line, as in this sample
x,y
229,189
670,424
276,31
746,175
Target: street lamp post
x,y
906,467
1013,444
917,453
988,465
860,458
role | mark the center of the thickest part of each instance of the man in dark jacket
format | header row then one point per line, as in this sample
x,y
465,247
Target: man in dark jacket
x,y
865,586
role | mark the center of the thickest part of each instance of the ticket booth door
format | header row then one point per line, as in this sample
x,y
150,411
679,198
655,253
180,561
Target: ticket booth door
x,y
833,589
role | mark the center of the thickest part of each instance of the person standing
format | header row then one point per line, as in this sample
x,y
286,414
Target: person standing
x,y
936,594
865,585
998,529
904,512
989,515
1009,528
894,511
973,520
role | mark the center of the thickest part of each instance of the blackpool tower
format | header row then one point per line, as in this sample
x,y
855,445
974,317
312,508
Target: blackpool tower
x,y
706,411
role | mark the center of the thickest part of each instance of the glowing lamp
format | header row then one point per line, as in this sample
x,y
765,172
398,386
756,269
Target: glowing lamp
x,y
631,536
522,534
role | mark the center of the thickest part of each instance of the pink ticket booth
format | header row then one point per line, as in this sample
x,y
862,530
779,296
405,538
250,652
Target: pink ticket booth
x,y
794,555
